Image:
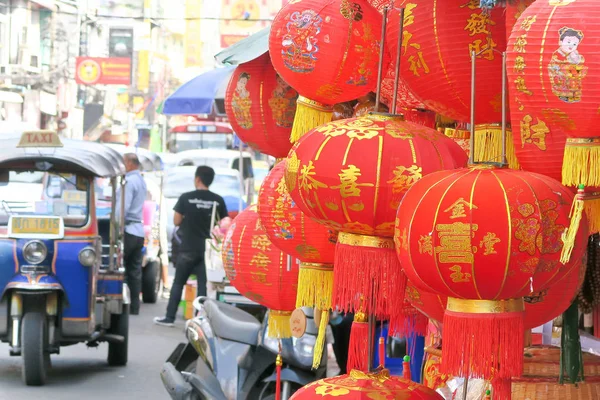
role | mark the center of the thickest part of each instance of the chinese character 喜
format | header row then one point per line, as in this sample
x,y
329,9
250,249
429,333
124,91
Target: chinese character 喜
x,y
348,182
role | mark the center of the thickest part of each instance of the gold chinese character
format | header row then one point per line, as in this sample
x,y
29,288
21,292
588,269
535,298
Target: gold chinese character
x,y
458,276
348,182
417,63
520,44
488,242
307,182
521,86
471,4
483,50
261,242
519,66
426,244
527,22
534,134
260,261
406,37
478,24
405,177
458,208
409,17
455,242
260,277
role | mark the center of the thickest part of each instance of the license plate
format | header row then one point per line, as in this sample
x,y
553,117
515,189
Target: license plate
x,y
36,226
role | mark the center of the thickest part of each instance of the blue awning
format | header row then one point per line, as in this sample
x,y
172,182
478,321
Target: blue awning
x,y
198,95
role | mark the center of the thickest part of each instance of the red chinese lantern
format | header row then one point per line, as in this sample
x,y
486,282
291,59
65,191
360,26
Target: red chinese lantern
x,y
311,243
361,386
350,175
259,270
550,52
261,107
485,238
437,42
420,117
329,52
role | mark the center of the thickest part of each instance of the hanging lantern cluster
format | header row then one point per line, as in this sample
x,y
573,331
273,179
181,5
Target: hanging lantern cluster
x,y
485,238
261,107
328,52
260,271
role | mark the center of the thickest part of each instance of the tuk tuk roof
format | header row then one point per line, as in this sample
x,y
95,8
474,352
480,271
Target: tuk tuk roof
x,y
74,156
150,161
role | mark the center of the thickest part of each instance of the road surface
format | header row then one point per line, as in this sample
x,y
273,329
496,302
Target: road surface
x,y
82,373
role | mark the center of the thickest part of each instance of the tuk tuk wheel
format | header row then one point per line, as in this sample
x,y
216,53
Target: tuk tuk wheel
x,y
33,349
151,274
119,325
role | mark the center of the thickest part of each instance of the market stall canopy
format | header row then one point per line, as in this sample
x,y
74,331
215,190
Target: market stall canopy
x,y
246,49
198,95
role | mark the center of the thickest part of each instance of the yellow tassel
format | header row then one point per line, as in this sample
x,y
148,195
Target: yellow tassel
x,y
309,115
569,235
488,145
592,212
315,286
320,343
279,324
581,164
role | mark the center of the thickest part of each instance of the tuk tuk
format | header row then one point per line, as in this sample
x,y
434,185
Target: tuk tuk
x,y
154,220
56,288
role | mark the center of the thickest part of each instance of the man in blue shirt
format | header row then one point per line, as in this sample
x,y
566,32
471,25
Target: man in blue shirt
x,y
135,195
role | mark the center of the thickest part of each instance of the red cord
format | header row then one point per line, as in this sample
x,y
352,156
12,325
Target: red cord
x,y
382,351
278,363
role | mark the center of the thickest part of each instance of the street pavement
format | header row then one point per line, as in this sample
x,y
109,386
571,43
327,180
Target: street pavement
x,y
80,372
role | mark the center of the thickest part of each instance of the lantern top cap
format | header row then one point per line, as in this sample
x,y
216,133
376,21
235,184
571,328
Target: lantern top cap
x,y
379,116
487,166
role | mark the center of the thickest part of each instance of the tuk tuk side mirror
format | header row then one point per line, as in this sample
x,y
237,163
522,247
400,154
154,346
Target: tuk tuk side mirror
x,y
4,178
81,183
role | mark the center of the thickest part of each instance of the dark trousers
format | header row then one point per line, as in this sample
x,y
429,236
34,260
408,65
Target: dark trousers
x,y
187,263
341,339
132,258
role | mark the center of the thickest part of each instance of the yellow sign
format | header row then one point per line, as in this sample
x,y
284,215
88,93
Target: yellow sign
x,y
35,226
89,71
40,139
143,72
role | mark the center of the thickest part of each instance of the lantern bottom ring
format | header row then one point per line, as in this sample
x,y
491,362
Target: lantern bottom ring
x,y
485,306
314,104
316,266
354,239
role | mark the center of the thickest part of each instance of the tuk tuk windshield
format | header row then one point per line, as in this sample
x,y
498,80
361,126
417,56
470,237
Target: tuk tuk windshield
x,y
47,194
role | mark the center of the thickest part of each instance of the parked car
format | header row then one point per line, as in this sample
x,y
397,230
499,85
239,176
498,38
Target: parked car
x,y
179,180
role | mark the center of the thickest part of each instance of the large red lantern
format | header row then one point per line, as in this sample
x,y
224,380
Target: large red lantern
x,y
260,271
308,241
361,386
551,49
350,175
485,238
261,107
329,52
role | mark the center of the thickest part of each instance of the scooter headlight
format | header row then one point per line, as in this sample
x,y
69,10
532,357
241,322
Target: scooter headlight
x,y
34,252
87,257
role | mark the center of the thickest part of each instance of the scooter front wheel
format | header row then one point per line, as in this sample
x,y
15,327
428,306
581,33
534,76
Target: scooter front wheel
x,y
33,349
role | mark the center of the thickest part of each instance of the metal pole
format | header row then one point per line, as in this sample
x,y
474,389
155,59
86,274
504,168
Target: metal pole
x,y
381,50
113,229
397,72
472,127
504,160
242,187
466,387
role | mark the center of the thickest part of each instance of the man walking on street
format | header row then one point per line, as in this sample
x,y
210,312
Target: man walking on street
x,y
135,195
193,215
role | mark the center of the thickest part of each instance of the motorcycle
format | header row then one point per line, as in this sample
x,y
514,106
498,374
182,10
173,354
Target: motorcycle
x,y
229,356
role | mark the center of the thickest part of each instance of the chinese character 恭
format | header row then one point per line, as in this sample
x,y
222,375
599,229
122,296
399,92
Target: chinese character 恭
x,y
307,180
458,208
483,50
534,134
488,242
417,63
426,244
348,185
405,177
261,242
478,24
455,242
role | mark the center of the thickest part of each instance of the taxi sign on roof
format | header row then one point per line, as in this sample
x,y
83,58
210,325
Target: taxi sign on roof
x,y
40,139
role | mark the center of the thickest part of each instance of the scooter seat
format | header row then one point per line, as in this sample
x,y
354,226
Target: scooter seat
x,y
231,323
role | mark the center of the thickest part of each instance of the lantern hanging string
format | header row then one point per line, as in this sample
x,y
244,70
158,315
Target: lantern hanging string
x,y
397,72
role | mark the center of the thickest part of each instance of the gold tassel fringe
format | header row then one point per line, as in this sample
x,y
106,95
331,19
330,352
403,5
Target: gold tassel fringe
x,y
309,115
592,212
569,235
279,324
315,286
581,164
320,343
488,145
